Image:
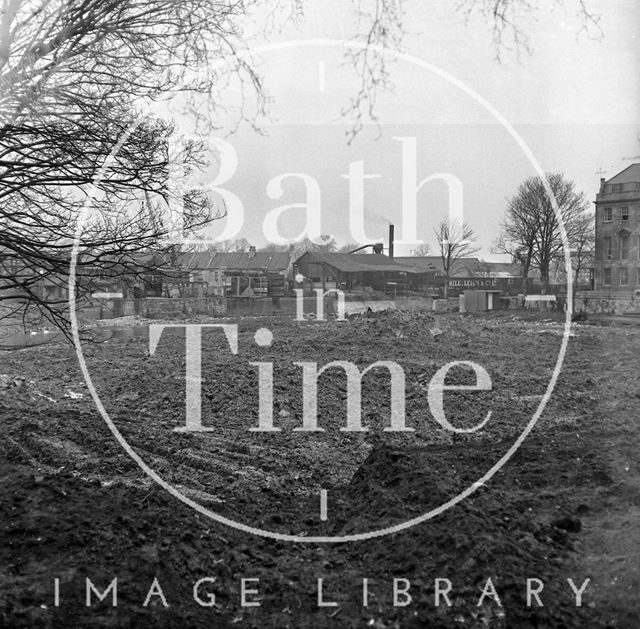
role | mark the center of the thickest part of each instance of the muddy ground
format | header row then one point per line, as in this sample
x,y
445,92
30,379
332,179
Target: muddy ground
x,y
565,506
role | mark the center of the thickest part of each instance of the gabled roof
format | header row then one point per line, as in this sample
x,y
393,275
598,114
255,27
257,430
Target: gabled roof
x,y
628,175
426,263
463,267
501,269
353,263
274,261
196,260
270,261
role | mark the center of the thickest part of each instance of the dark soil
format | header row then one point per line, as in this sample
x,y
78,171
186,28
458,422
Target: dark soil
x,y
565,506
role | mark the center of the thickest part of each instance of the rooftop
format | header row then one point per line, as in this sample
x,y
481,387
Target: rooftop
x,y
463,267
628,175
274,261
354,263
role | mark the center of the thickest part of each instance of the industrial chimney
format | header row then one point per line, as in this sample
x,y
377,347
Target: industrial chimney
x,y
391,238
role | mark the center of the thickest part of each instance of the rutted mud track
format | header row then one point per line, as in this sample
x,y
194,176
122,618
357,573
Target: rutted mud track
x,y
74,505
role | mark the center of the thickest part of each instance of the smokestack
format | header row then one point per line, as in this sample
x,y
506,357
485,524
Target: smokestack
x,y
391,238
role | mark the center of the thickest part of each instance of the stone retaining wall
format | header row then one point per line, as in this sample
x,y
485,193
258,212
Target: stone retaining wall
x,y
164,307
169,308
606,303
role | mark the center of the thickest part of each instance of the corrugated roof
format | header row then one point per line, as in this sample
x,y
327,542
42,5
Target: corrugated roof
x,y
353,263
462,268
196,260
628,175
268,260
426,263
505,268
273,261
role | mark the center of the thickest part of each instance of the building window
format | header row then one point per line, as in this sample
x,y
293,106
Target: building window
x,y
624,276
624,213
624,247
616,187
606,279
608,250
608,214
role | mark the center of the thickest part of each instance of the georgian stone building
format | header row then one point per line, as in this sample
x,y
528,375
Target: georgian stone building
x,y
617,259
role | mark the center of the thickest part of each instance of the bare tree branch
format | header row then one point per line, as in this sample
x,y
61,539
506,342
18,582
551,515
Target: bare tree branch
x,y
505,19
531,231
455,241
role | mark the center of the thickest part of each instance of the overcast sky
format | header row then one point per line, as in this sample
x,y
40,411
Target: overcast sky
x,y
575,101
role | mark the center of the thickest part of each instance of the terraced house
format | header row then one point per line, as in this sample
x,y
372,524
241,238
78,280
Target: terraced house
x,y
617,259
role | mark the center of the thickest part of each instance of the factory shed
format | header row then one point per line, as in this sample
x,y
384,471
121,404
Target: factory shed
x,y
350,271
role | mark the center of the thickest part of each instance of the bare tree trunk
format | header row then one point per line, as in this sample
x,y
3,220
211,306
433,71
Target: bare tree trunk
x,y
544,275
525,276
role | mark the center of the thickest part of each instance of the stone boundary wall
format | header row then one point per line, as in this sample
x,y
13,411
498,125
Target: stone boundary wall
x,y
286,306
606,303
169,308
178,307
400,303
266,306
157,308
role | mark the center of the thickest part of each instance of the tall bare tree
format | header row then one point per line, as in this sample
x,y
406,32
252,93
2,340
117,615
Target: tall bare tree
x,y
518,237
456,240
583,244
72,77
531,229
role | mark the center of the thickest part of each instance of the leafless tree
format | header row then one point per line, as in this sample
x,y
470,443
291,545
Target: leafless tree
x,y
455,240
518,236
381,23
352,246
72,133
383,26
531,229
421,250
583,245
74,78
506,20
232,245
349,246
327,244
